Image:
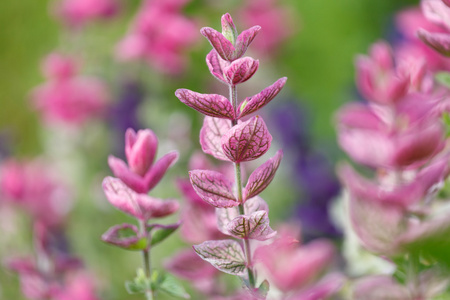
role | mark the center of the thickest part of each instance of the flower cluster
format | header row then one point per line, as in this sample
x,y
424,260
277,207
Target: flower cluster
x,y
159,35
129,193
398,133
68,97
225,135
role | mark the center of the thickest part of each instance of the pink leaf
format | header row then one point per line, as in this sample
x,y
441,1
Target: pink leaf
x,y
246,141
253,103
213,188
228,28
211,134
216,65
208,104
262,176
125,236
244,40
140,149
240,70
225,255
140,206
158,170
254,226
220,43
226,215
436,40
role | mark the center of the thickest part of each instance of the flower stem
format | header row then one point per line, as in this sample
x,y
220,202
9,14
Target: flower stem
x,y
146,261
237,168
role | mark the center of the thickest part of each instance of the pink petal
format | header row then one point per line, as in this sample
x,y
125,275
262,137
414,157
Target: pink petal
x,y
220,43
211,134
226,215
208,104
157,171
246,141
131,179
245,39
325,288
253,103
213,188
262,176
359,116
216,65
156,208
438,41
437,12
369,288
140,149
255,226
225,255
240,70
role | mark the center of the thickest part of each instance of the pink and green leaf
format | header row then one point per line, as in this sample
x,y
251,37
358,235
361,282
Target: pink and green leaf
x,y
226,215
255,226
213,187
240,70
125,236
212,105
211,134
219,42
253,103
225,255
262,176
216,65
246,141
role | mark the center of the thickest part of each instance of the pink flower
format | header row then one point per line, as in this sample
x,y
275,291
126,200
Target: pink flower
x,y
293,267
275,20
141,175
35,188
79,12
160,34
67,97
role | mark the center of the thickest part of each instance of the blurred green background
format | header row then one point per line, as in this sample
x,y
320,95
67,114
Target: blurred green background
x,y
317,59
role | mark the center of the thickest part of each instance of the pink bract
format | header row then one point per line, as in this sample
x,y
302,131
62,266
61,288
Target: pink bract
x,y
79,12
140,206
141,174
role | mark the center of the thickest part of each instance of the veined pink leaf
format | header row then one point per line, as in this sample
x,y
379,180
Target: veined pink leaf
x,y
125,236
216,65
240,70
262,176
156,173
211,134
225,255
255,226
208,104
253,103
213,188
436,40
140,206
226,215
221,44
244,40
246,141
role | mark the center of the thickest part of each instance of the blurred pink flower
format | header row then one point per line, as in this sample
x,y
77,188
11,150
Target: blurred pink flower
x,y
290,266
275,20
79,12
160,34
141,174
36,189
67,97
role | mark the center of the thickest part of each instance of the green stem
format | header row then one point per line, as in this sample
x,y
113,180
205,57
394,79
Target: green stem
x,y
413,276
237,168
146,261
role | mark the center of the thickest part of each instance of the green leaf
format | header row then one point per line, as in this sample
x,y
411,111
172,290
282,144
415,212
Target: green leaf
x,y
169,285
139,285
443,78
162,232
263,289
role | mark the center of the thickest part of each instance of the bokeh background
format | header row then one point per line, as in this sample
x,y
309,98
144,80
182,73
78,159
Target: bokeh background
x,y
317,55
